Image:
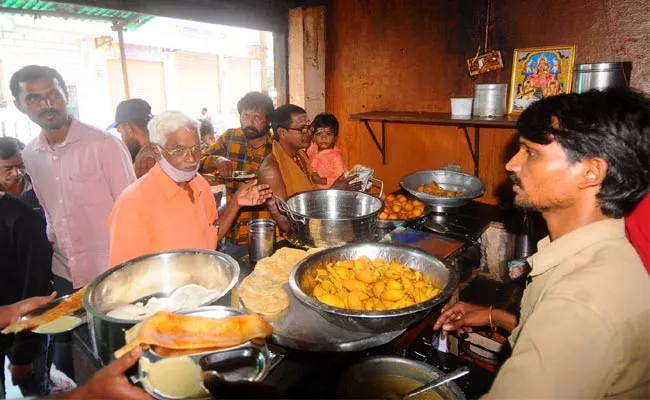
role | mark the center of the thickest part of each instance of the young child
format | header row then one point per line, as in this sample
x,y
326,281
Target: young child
x,y
326,158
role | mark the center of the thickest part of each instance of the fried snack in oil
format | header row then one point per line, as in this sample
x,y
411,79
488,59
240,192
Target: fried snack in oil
x,y
364,284
399,207
436,190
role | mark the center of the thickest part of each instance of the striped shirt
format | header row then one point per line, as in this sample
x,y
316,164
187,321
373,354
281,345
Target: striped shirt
x,y
232,144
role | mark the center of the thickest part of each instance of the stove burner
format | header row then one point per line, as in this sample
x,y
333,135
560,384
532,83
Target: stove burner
x,y
457,226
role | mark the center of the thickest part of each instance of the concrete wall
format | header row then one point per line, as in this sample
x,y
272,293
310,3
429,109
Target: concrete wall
x,y
71,54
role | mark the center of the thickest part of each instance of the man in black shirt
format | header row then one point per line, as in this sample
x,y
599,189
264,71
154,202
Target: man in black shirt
x,y
25,271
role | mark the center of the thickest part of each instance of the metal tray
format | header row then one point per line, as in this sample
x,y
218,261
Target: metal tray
x,y
267,358
396,223
470,185
79,313
239,176
302,328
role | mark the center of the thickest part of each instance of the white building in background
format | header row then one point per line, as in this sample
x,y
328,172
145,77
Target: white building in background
x,y
172,64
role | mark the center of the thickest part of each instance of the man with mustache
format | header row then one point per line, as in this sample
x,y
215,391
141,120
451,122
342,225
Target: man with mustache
x,y
585,313
78,171
172,206
242,149
287,170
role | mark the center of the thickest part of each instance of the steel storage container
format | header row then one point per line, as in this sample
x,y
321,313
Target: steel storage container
x,y
600,76
490,99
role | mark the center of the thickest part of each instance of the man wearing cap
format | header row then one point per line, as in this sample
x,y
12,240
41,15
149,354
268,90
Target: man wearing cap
x,y
131,118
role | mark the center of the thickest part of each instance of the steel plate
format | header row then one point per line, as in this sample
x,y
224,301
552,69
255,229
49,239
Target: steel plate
x,y
302,328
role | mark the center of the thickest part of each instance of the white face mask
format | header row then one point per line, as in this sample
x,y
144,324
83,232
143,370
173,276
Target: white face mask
x,y
177,175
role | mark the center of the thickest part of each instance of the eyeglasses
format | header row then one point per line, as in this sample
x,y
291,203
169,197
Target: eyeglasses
x,y
303,129
182,152
34,99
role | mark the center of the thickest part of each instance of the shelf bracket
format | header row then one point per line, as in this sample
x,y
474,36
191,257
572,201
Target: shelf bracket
x,y
382,146
474,151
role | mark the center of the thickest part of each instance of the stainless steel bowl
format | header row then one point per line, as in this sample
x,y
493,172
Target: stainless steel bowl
x,y
327,218
470,185
440,274
141,278
362,374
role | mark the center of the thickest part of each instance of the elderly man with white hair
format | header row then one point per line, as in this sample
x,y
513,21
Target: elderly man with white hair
x,y
172,206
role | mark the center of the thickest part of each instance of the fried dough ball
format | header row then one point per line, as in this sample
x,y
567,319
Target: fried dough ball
x,y
400,207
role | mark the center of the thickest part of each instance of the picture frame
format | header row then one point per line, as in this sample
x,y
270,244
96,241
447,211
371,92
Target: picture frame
x,y
539,72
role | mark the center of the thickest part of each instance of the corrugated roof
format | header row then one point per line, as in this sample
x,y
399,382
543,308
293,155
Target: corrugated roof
x,y
128,19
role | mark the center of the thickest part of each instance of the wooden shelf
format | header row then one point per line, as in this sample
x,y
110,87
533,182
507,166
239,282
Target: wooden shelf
x,y
434,118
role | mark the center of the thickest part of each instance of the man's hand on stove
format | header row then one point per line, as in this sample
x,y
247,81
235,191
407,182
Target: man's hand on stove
x,y
461,317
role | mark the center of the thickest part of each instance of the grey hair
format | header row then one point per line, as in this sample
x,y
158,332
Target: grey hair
x,y
167,122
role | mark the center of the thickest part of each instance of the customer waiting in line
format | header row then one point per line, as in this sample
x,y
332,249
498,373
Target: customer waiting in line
x,y
110,383
287,170
78,171
26,271
206,129
13,176
131,119
172,206
242,149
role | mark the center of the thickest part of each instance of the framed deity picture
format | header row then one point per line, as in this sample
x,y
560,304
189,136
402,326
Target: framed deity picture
x,y
539,72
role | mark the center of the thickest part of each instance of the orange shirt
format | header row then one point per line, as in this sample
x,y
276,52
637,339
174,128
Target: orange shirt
x,y
155,214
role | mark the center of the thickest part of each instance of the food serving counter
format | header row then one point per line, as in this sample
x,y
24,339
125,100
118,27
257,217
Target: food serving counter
x,y
308,374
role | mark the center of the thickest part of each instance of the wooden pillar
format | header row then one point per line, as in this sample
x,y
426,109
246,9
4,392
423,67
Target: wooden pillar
x,y
263,55
125,73
281,68
307,58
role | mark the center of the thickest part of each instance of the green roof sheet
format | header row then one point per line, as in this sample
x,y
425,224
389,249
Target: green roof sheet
x,y
128,19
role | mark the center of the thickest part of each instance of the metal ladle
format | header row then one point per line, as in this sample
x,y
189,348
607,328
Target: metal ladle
x,y
455,374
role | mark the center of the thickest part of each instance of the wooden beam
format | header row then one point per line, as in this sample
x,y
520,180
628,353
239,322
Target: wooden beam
x,y
125,72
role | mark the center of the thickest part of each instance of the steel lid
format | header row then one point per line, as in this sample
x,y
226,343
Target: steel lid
x,y
600,67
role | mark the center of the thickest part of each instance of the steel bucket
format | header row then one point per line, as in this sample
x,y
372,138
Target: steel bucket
x,y
330,218
150,275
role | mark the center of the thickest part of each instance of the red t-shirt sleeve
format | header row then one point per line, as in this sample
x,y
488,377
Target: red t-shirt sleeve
x,y
637,229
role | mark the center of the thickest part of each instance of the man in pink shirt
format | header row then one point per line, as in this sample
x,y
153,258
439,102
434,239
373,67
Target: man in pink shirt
x,y
77,170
